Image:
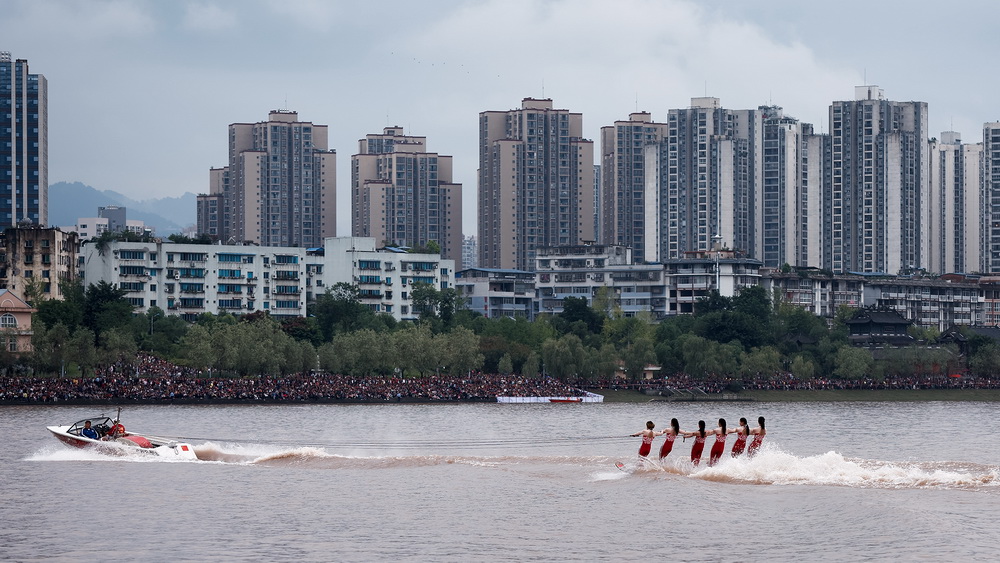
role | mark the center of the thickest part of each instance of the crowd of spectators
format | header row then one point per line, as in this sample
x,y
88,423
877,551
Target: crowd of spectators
x,y
162,382
152,380
783,381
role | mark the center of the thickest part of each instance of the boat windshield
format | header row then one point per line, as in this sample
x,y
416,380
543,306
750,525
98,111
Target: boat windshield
x,y
102,424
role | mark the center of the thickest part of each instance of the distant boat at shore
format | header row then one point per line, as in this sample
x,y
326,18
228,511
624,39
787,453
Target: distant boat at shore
x,y
587,397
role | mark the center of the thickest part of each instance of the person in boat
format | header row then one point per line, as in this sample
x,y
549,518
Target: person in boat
x,y
647,438
742,431
758,437
720,442
117,431
699,442
670,434
89,432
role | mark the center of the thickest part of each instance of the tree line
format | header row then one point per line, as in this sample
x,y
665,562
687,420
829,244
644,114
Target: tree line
x,y
747,336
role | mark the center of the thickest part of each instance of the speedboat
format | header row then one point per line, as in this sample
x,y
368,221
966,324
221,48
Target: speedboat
x,y
120,442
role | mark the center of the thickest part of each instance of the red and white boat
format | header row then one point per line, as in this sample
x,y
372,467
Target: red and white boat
x,y
122,442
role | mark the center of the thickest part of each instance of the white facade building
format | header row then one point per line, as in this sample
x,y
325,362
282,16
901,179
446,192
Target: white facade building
x,y
664,289
191,279
90,227
496,293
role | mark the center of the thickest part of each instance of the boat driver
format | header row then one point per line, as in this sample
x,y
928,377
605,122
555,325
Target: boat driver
x,y
88,432
117,430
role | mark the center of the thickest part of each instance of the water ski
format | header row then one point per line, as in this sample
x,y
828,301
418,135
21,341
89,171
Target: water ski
x,y
620,465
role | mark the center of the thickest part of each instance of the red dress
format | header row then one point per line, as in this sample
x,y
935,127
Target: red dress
x,y
668,445
696,449
717,449
755,444
647,444
740,444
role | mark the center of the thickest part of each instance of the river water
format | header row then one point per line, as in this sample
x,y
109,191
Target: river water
x,y
489,482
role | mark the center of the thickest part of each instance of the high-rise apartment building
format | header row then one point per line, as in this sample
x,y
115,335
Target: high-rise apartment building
x,y
598,198
403,195
628,203
812,237
957,217
470,252
880,191
279,188
707,171
991,197
535,183
24,152
782,208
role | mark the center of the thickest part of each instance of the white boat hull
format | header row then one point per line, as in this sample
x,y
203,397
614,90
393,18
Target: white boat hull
x,y
130,443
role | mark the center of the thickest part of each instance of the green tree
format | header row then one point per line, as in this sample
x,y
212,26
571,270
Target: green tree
x,y
714,303
756,302
506,365
637,355
575,309
198,348
852,363
305,329
425,299
764,360
562,358
33,291
82,350
339,310
803,368
986,360
530,366
328,360
69,310
605,303
105,308
461,351
117,347
51,347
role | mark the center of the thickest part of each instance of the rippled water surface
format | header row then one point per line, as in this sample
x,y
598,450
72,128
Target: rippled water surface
x,y
486,482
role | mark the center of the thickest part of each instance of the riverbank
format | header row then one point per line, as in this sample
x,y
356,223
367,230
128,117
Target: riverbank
x,y
846,395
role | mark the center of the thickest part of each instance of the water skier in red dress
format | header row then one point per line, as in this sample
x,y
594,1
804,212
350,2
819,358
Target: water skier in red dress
x,y
758,437
720,443
647,438
699,442
742,431
670,434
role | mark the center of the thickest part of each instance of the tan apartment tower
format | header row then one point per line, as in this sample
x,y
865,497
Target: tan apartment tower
x,y
536,183
403,195
628,201
280,187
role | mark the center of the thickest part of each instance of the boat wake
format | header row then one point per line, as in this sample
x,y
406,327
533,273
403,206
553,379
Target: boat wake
x,y
772,466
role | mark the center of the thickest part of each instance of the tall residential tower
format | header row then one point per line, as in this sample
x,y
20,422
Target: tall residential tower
x,y
628,203
880,190
24,154
536,183
279,188
404,195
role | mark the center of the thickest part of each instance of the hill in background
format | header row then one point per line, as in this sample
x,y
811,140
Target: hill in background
x,y
69,201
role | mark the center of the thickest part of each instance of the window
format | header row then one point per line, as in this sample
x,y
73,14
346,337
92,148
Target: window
x,y
8,321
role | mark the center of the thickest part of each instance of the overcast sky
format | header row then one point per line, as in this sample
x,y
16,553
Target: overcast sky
x,y
141,92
